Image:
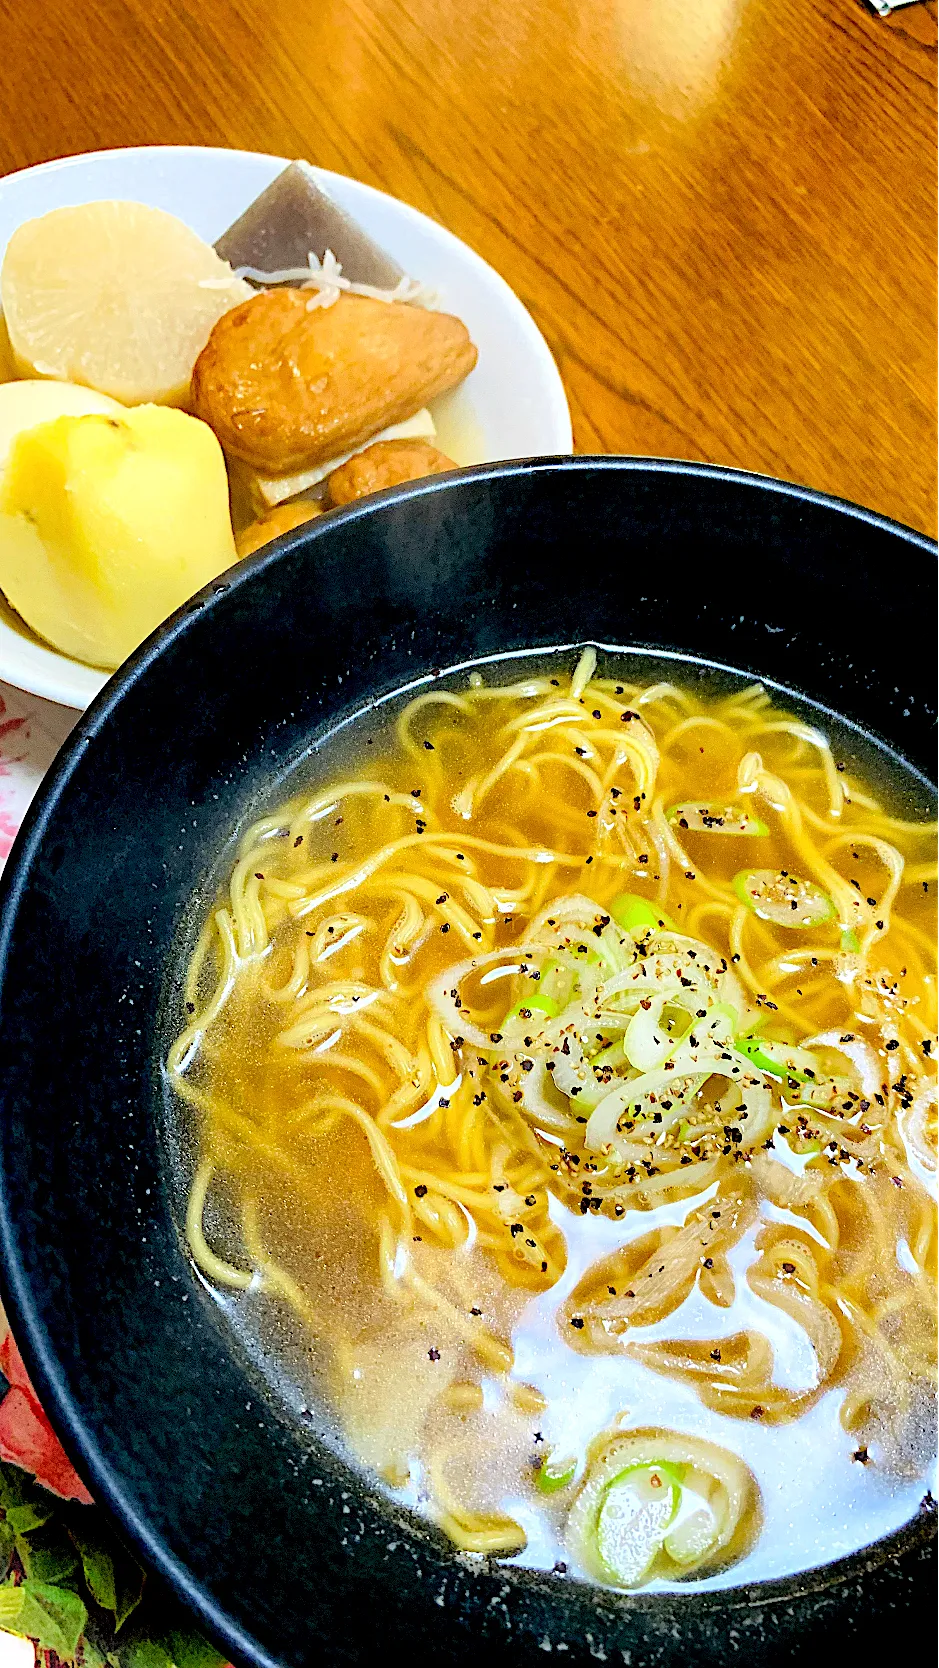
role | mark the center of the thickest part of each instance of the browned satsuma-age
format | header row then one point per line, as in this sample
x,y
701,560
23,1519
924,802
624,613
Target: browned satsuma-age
x,y
287,386
388,463
283,518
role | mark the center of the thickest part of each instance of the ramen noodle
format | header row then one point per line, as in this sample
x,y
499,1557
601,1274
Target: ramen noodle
x,y
567,1073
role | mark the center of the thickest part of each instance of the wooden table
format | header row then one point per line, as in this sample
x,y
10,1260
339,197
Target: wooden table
x,y
719,211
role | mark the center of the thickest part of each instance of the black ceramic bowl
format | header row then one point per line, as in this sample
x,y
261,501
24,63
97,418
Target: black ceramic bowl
x,y
285,1555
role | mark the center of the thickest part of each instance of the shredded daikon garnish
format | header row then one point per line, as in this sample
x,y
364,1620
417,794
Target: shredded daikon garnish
x,y
326,278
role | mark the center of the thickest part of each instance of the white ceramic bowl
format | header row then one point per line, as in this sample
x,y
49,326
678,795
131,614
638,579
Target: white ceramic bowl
x,y
512,405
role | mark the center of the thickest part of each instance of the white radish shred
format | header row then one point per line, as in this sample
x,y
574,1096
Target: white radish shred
x,y
326,277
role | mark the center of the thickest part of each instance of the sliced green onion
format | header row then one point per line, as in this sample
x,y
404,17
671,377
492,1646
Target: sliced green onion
x,y
850,941
674,1473
554,1474
715,818
536,1003
637,1508
673,1469
612,1056
555,982
644,1042
613,951
590,958
770,1057
726,1010
691,1538
635,914
785,900
650,1037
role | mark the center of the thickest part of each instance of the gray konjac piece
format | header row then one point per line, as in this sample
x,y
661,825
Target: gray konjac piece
x,y
294,217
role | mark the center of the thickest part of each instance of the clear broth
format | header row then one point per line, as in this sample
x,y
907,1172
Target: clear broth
x,y
379,1396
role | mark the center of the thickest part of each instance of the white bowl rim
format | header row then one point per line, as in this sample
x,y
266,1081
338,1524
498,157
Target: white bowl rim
x,y
38,669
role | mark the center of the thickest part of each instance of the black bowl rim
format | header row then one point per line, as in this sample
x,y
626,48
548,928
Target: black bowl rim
x,y
33,1337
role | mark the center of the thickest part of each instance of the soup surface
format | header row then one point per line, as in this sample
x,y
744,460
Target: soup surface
x,y
564,1079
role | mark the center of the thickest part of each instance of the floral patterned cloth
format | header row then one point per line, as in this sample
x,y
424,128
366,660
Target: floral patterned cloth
x,y
158,1633
31,733
26,1436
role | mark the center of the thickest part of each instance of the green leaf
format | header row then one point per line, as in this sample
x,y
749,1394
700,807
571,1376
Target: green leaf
x,y
5,1499
13,1483
145,1653
129,1593
23,1519
19,1488
189,1650
176,1648
47,1555
97,1564
54,1617
115,1579
7,1540
89,1656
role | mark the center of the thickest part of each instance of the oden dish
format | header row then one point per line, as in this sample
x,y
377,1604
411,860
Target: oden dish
x,y
565,1070
111,281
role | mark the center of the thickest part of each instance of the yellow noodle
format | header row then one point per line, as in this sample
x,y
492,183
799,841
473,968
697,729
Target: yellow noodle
x,y
483,1532
331,933
213,1267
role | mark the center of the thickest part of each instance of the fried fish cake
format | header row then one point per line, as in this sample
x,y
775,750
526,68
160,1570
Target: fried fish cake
x,y
286,387
387,463
282,519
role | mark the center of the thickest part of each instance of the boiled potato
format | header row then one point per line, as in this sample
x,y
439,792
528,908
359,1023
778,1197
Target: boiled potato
x,y
108,523
24,405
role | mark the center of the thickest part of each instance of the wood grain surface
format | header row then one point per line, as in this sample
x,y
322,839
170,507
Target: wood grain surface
x,y
721,213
